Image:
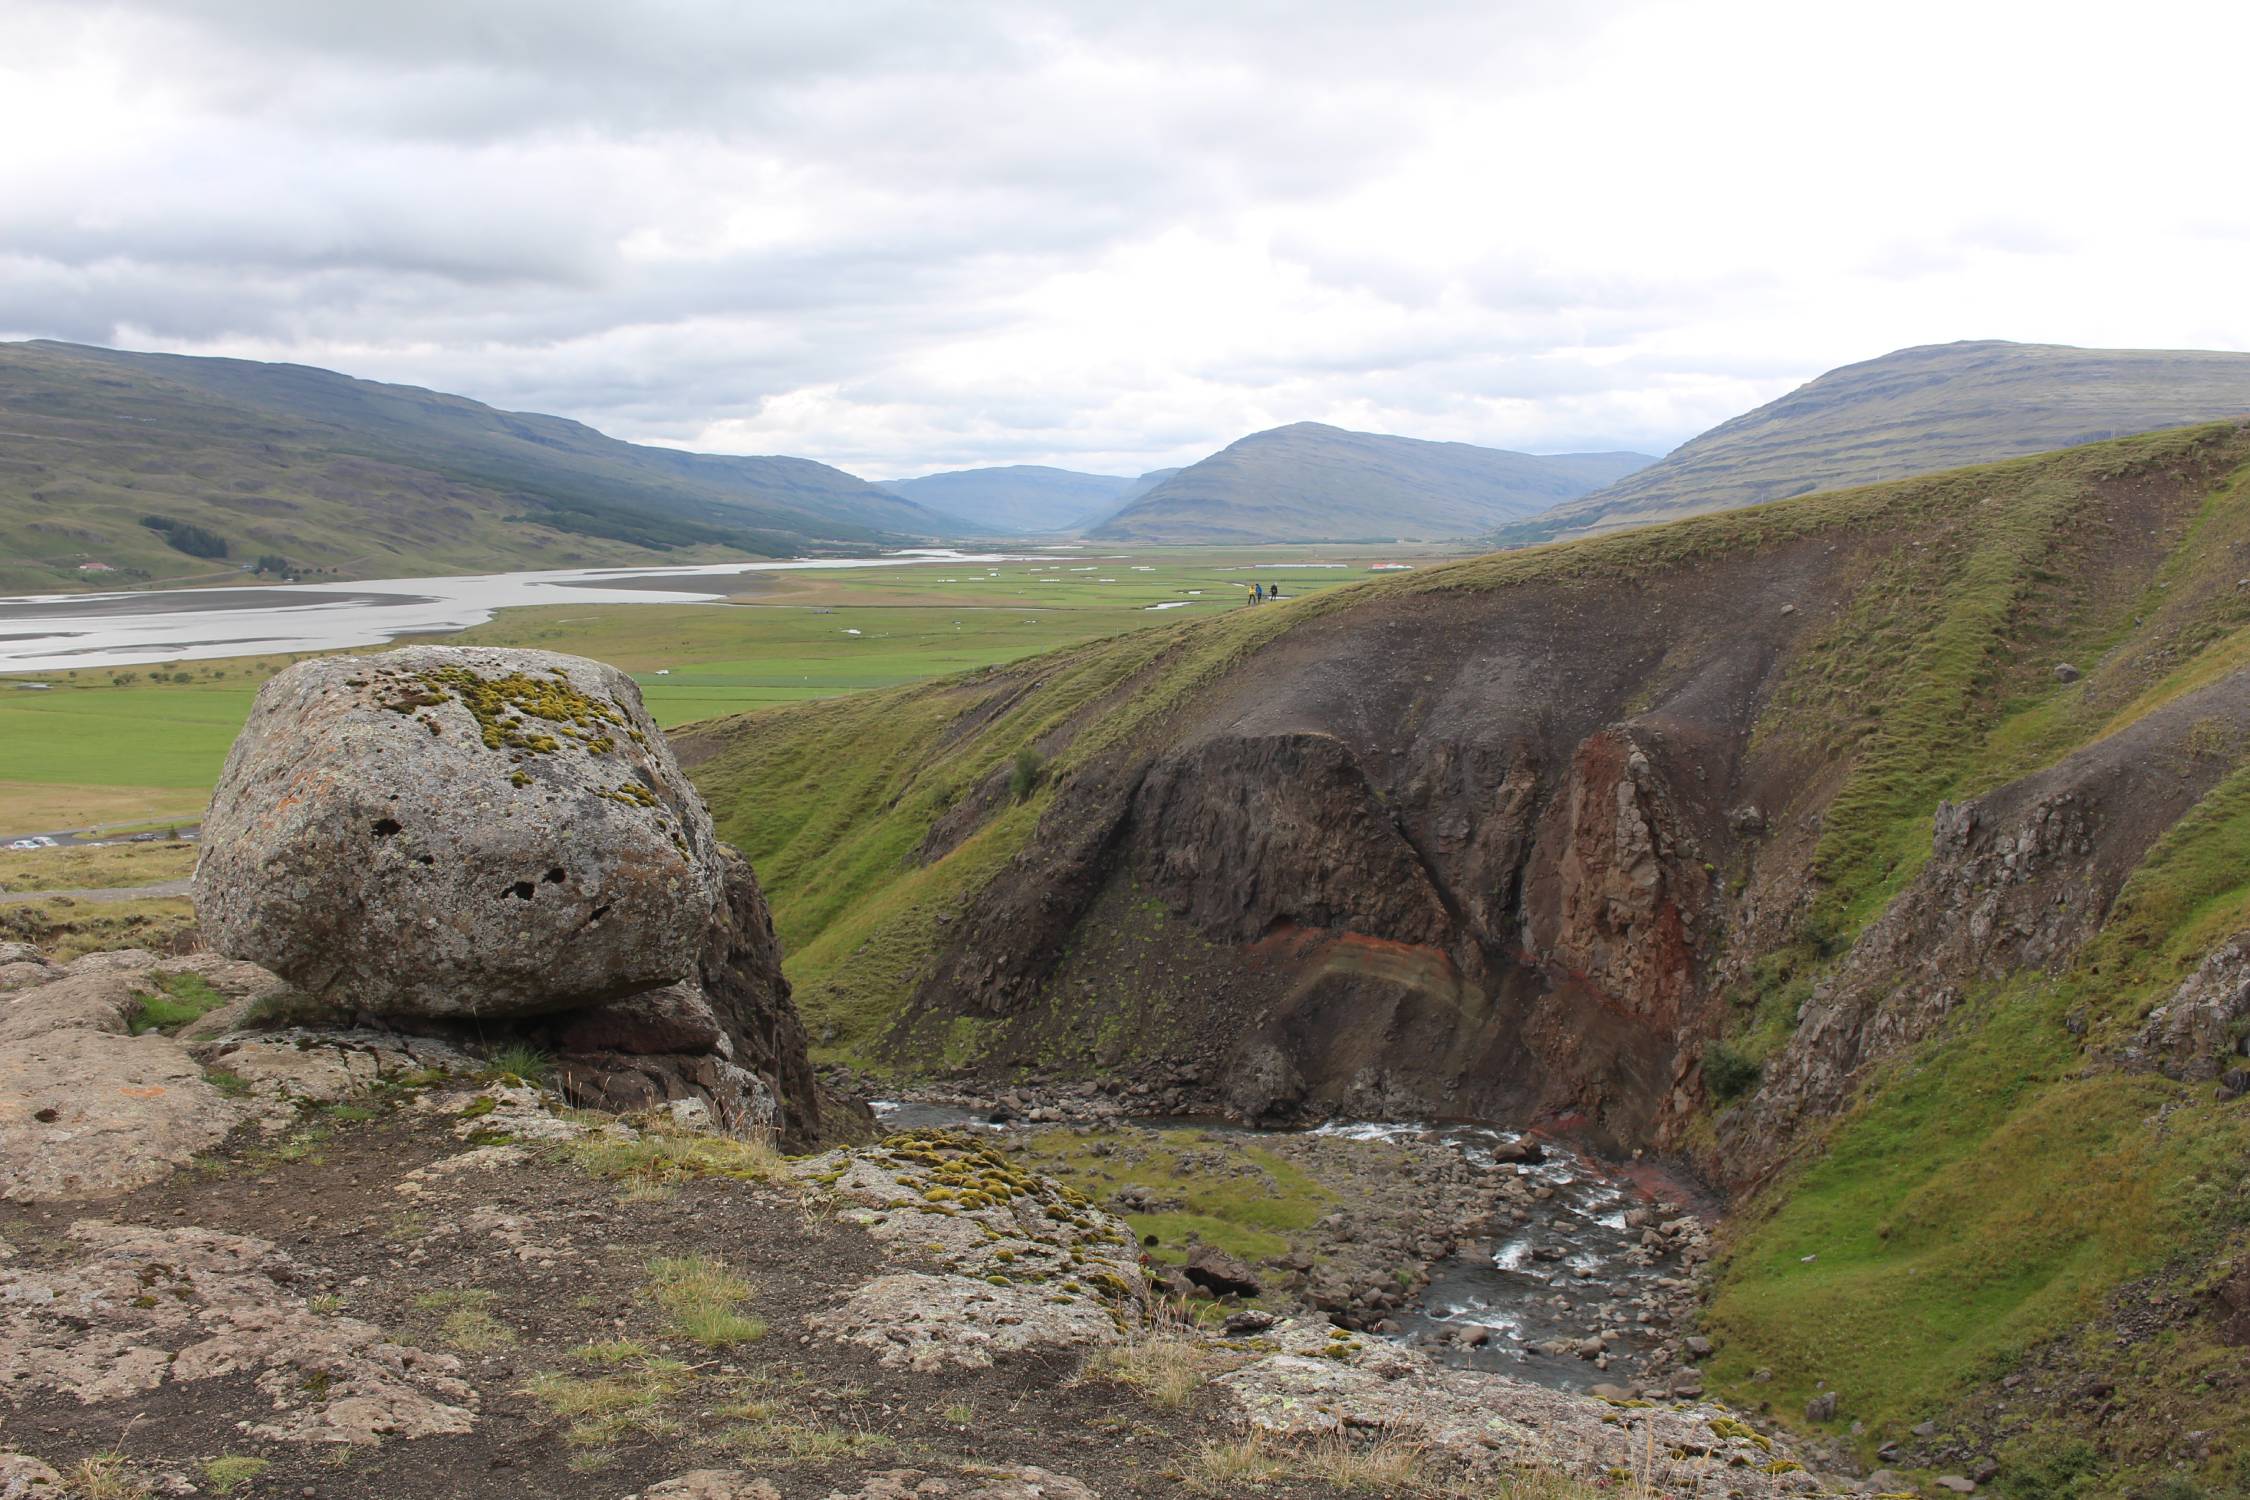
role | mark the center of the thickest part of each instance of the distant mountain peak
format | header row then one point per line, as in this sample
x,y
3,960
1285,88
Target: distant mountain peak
x,y
1310,481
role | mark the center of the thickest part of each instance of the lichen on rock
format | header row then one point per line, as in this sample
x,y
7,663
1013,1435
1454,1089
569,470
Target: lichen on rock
x,y
448,832
987,1258
141,1307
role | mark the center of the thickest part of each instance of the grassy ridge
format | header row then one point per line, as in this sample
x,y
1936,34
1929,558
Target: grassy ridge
x,y
238,460
1993,1191
1902,687
831,800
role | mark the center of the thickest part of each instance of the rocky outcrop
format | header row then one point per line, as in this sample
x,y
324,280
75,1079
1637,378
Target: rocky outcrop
x,y
87,1108
2202,1031
25,1478
1616,892
1241,836
1019,1262
727,1038
140,1308
2018,879
1483,940
1321,1384
452,832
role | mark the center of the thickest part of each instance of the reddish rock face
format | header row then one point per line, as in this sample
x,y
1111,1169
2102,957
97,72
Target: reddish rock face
x,y
1492,940
1612,898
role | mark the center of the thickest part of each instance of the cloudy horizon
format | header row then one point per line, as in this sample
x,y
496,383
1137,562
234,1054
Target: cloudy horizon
x,y
905,238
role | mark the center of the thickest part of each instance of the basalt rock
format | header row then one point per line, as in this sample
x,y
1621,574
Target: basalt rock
x,y
452,832
1221,1274
2199,1032
727,1037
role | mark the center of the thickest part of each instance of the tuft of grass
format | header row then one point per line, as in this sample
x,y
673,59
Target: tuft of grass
x,y
232,1085
1023,774
612,1352
1727,1072
520,1061
231,1472
104,1476
1221,1465
178,999
700,1298
768,1432
467,1323
602,1409
1165,1369
662,1157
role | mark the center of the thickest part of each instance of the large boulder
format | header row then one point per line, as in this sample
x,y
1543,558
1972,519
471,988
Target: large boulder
x,y
455,832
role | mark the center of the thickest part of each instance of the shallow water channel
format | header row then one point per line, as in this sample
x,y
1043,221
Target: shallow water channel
x,y
1535,1284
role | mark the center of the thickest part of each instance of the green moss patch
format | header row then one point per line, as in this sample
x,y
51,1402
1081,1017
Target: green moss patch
x,y
177,1000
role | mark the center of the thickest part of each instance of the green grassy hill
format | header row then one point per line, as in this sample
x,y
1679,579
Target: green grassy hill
x,y
1915,411
1308,482
238,460
1846,845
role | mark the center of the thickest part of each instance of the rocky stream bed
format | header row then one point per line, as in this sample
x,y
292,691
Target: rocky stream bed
x,y
1507,1251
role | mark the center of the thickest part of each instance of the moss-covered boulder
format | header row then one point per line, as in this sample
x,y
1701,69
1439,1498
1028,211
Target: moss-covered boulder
x,y
447,832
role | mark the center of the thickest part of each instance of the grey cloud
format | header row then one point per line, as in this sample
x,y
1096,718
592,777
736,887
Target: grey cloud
x,y
840,225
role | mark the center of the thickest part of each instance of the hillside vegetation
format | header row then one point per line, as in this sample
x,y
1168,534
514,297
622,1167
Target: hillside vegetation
x,y
1915,411
1308,482
1848,844
162,466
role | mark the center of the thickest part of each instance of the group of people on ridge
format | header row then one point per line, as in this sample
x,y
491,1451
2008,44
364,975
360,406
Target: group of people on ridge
x,y
1261,592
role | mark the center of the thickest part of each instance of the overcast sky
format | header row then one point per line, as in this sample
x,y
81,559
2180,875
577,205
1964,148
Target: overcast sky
x,y
905,237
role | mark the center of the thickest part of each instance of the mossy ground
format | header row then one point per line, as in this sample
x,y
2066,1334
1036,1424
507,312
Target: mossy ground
x,y
177,1000
1233,1194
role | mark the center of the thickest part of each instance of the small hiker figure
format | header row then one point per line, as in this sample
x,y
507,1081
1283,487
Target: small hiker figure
x,y
1258,592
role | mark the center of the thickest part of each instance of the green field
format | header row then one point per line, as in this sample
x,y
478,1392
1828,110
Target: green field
x,y
100,746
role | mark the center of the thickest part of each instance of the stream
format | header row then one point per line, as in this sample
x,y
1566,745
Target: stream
x,y
1504,1304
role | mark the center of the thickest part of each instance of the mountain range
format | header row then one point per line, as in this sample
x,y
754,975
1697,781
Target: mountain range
x,y
156,465
1915,411
120,467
